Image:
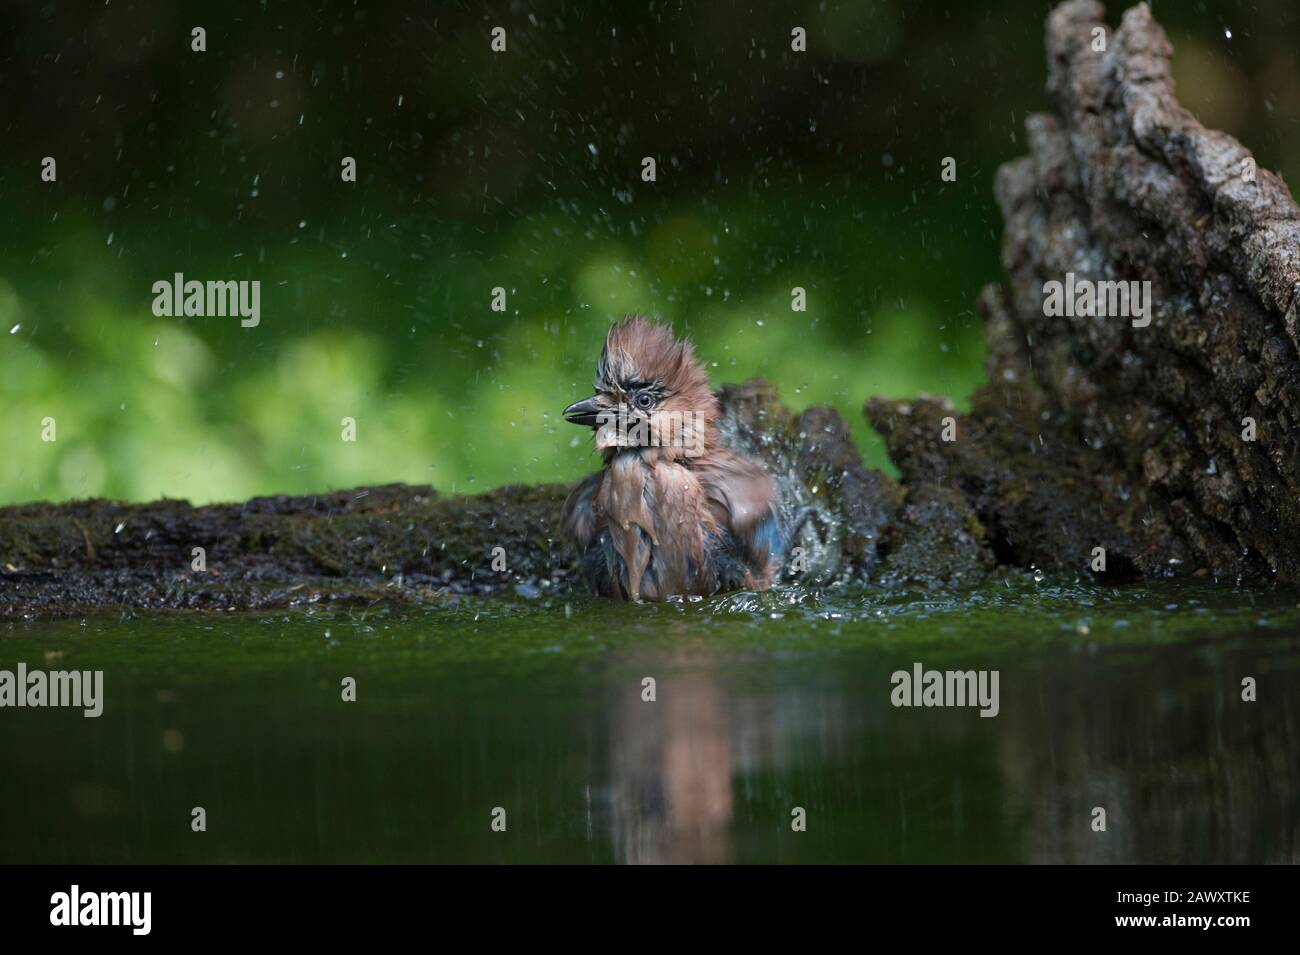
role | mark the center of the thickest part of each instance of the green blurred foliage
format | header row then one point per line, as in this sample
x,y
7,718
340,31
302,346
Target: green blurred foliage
x,y
519,170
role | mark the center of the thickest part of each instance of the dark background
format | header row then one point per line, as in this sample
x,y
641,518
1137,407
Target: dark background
x,y
520,170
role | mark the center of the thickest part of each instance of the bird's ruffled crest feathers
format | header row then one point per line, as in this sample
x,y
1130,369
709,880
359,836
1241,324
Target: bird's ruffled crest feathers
x,y
638,350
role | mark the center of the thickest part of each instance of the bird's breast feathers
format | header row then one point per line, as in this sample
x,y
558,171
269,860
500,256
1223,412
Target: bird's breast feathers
x,y
658,529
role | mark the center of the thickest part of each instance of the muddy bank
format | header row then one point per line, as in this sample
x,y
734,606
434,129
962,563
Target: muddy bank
x,y
402,543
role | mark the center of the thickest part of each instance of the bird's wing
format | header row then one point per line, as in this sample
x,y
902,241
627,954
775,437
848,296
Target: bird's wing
x,y
743,497
577,517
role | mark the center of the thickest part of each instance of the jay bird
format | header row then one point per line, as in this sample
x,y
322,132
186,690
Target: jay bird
x,y
672,511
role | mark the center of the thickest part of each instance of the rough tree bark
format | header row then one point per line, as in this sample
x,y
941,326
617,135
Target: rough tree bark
x,y
1090,432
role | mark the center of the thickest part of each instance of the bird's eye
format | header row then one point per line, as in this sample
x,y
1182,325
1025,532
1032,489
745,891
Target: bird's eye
x,y
644,401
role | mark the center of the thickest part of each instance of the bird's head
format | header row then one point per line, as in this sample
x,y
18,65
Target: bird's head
x,y
651,392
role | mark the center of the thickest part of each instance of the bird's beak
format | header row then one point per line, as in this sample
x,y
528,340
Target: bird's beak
x,y
585,412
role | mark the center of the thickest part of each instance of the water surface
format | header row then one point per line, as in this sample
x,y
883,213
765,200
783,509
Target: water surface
x,y
1127,699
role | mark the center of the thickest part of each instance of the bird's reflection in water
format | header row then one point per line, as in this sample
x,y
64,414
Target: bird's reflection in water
x,y
672,762
1186,771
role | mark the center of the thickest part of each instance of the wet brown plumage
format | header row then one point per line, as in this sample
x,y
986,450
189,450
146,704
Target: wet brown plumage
x,y
673,511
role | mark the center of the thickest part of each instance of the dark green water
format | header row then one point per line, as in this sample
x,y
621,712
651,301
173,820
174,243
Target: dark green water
x,y
1129,699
